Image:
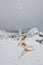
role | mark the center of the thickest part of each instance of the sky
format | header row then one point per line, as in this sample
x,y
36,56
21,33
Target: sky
x,y
21,14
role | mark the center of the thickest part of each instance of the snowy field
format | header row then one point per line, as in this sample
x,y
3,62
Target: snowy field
x,y
10,52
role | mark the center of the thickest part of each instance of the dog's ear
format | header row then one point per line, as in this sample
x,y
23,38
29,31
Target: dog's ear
x,y
23,37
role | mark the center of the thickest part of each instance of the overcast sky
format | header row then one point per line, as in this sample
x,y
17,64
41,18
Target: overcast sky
x,y
21,14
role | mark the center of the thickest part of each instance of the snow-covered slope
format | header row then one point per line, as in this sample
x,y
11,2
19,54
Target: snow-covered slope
x,y
10,53
7,35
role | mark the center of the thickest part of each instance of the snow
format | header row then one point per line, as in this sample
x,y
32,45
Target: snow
x,y
10,52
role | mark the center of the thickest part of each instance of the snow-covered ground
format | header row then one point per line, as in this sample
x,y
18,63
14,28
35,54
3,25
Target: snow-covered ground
x,y
10,52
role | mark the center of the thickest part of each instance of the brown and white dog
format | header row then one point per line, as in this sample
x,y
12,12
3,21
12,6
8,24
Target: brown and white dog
x,y
24,45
